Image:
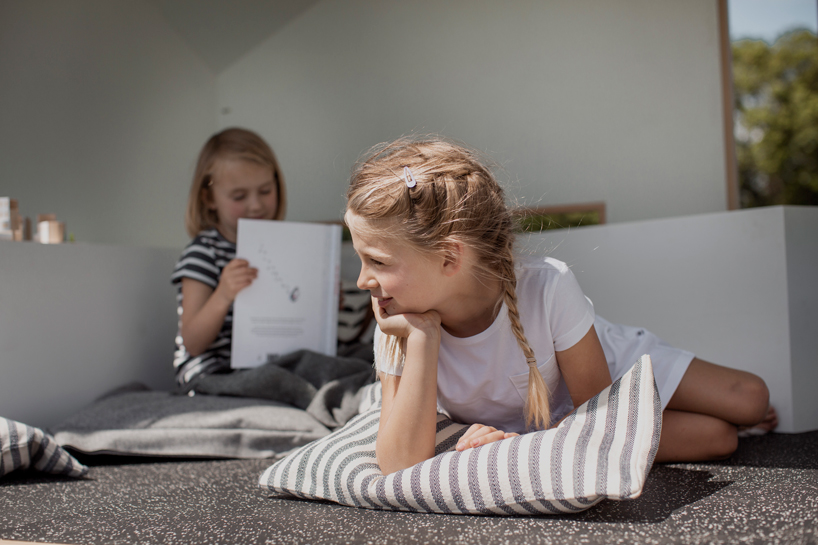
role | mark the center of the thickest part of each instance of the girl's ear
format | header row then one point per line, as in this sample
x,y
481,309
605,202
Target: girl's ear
x,y
453,260
207,198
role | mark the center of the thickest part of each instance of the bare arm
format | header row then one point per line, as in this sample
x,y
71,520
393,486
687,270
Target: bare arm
x,y
406,432
584,368
204,309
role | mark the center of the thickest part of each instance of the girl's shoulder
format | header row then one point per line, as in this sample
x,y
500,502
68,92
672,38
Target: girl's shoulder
x,y
210,237
209,245
210,241
528,264
543,273
204,258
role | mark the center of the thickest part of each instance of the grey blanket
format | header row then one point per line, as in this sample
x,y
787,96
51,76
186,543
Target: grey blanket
x,y
327,387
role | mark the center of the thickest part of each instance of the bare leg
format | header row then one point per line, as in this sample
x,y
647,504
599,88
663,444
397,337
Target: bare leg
x,y
700,422
693,437
738,397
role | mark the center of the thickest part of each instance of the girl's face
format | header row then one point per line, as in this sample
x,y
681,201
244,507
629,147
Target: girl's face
x,y
401,279
241,189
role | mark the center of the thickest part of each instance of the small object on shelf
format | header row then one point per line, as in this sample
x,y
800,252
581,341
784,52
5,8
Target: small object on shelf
x,y
9,218
23,230
51,232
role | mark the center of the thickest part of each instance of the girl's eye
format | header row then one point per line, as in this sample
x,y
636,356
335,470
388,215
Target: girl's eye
x,y
375,262
238,197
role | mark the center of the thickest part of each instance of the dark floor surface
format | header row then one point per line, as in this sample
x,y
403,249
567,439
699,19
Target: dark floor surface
x,y
766,493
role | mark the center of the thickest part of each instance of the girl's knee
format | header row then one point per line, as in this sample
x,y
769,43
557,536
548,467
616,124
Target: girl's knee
x,y
753,399
695,437
723,440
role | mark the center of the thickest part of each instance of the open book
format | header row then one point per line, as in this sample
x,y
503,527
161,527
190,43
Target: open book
x,y
293,303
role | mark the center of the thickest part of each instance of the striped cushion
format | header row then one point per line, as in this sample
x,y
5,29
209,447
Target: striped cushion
x,y
604,449
354,317
22,446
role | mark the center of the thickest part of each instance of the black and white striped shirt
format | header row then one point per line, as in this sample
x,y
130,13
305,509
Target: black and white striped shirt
x,y
203,260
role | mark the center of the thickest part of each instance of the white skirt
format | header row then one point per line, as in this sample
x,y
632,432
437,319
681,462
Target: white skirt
x,y
623,345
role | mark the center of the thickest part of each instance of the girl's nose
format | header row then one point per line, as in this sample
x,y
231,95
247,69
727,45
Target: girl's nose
x,y
366,281
253,202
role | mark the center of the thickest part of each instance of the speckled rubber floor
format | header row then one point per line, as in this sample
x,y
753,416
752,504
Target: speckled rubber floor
x,y
766,493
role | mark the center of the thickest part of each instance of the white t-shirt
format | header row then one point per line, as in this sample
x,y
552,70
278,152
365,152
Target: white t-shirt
x,y
484,378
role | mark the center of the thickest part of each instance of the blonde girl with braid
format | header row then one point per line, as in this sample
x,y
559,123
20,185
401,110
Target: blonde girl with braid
x,y
505,343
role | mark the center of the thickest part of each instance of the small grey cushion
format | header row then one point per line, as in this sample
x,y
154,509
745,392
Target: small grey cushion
x,y
154,423
23,446
604,449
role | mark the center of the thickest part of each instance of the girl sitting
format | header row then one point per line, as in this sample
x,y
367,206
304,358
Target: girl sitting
x,y
507,343
237,176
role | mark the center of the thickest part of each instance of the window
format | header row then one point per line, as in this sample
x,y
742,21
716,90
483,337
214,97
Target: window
x,y
770,77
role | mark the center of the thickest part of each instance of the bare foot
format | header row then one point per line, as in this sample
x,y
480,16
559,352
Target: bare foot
x,y
768,424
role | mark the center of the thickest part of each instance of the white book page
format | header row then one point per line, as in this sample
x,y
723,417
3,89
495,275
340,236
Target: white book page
x,y
293,303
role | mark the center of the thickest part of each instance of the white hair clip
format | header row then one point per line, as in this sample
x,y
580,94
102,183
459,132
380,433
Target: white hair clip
x,y
409,178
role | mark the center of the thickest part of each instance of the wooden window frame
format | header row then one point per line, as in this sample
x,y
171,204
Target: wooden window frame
x,y
597,206
726,58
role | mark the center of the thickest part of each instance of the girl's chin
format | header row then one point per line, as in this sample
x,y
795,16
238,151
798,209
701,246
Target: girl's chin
x,y
391,310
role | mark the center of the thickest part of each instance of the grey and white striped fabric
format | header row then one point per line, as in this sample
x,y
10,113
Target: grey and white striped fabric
x,y
604,449
23,446
203,260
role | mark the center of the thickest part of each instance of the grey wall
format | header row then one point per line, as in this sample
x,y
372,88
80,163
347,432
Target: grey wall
x,y
103,106
102,111
578,100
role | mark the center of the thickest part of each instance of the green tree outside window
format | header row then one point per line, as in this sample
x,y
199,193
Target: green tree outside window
x,y
776,114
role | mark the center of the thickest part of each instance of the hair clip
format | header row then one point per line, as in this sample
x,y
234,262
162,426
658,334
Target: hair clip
x,y
409,178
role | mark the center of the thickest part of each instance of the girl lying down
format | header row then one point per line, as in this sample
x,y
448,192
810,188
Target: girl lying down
x,y
506,343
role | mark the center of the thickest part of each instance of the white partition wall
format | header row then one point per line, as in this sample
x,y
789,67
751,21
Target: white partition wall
x,y
737,288
77,320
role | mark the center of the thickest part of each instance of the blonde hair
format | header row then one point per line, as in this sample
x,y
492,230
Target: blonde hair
x,y
456,200
229,143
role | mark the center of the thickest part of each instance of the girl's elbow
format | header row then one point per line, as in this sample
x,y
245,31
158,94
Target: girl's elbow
x,y
389,468
385,469
389,465
188,340
191,347
386,465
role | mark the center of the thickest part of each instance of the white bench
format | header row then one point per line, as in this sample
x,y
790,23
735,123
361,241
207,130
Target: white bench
x,y
79,319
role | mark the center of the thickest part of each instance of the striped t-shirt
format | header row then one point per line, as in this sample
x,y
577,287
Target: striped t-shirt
x,y
203,260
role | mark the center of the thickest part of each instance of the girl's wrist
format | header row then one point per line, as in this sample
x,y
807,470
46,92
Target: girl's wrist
x,y
222,297
428,334
426,324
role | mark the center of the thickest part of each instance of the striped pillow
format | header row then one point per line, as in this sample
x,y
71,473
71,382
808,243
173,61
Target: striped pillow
x,y
604,449
23,446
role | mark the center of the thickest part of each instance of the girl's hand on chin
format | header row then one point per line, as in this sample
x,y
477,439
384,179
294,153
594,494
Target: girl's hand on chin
x,y
402,325
478,435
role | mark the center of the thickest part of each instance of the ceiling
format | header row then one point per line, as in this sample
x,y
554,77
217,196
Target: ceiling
x,y
221,31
